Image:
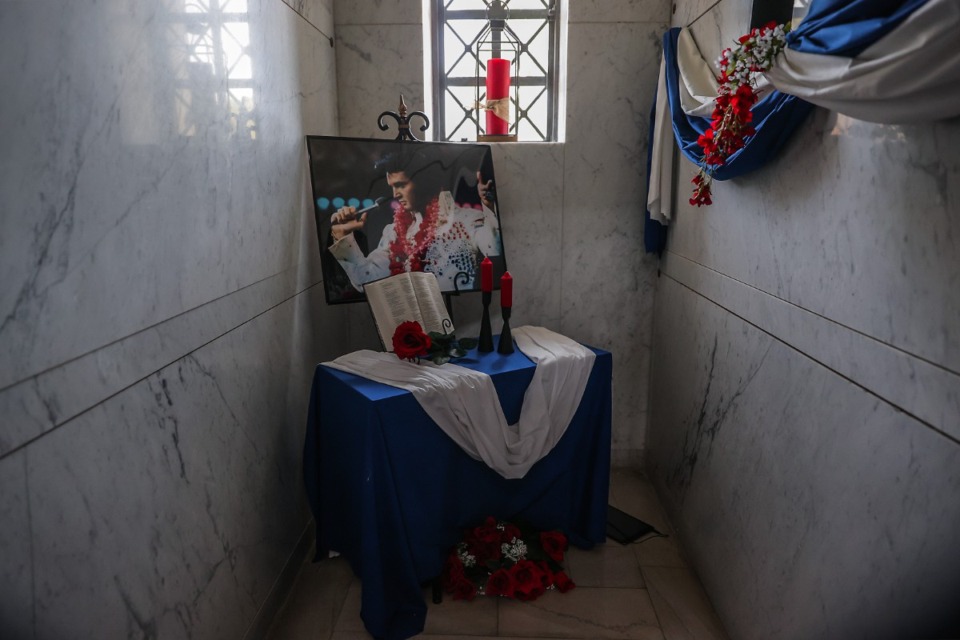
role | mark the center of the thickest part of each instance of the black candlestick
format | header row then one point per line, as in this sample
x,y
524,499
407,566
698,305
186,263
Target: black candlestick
x,y
486,335
505,345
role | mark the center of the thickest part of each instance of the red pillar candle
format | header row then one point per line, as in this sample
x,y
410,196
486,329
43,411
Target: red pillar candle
x,y
506,290
498,86
486,275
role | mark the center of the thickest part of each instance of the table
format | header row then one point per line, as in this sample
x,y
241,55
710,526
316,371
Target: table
x,y
392,493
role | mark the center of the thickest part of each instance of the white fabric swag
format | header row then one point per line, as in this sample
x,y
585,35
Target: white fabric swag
x,y
464,402
912,74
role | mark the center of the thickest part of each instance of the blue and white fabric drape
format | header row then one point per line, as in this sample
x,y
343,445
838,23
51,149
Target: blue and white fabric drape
x,y
909,74
886,61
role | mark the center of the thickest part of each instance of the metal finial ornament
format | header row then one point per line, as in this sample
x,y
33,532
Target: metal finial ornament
x,y
403,121
497,14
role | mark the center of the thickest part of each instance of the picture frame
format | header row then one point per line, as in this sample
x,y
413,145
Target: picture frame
x,y
427,206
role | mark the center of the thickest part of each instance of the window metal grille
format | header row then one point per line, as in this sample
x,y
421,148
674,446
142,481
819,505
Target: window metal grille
x,y
458,25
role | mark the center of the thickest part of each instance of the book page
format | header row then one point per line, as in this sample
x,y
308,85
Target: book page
x,y
393,301
430,300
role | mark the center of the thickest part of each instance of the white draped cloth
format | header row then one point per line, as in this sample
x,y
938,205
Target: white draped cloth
x,y
912,74
464,402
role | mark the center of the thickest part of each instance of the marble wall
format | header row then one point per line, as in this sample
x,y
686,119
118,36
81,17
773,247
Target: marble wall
x,y
161,310
805,415
572,212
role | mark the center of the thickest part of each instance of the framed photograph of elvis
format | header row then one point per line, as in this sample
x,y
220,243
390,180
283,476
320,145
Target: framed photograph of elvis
x,y
385,206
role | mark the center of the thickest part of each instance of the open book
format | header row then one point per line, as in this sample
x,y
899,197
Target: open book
x,y
411,295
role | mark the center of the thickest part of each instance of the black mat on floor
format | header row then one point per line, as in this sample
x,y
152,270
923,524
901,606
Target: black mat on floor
x,y
624,528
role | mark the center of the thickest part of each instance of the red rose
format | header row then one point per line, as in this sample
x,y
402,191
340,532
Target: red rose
x,y
484,541
526,578
500,584
409,341
464,590
487,532
554,544
546,575
563,582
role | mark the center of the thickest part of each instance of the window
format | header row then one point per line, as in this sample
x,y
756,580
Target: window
x,y
458,25
217,74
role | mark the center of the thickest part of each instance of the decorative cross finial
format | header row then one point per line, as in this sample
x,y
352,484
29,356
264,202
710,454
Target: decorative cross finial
x,y
403,124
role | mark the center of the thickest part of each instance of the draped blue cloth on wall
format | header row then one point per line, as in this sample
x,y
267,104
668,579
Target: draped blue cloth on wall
x,y
839,28
775,118
845,28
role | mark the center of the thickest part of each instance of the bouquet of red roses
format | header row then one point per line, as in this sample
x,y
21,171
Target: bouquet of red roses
x,y
501,559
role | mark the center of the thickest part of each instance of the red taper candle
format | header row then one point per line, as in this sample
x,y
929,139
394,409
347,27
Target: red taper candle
x,y
506,290
498,86
486,275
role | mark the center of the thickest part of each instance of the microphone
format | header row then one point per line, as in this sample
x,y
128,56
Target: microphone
x,y
375,204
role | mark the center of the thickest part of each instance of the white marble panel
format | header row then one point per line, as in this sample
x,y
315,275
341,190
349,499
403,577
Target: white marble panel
x,y
608,118
927,392
854,222
16,554
811,509
319,13
381,12
128,196
619,11
376,64
688,11
608,281
718,26
171,508
55,396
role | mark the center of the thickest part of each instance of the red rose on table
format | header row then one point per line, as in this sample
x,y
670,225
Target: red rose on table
x,y
409,341
554,544
563,582
500,584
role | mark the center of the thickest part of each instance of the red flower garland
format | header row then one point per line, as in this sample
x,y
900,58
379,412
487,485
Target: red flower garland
x,y
403,255
730,122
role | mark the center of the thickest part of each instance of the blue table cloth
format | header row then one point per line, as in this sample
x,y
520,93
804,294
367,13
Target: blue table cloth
x,y
392,493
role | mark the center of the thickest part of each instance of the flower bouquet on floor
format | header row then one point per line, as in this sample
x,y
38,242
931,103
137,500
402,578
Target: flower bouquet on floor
x,y
503,559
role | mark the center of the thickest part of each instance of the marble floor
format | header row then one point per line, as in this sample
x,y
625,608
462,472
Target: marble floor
x,y
639,591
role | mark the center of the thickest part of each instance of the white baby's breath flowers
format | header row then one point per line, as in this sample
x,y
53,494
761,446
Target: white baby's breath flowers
x,y
464,555
515,550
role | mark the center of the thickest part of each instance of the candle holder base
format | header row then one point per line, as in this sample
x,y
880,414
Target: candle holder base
x,y
505,346
485,341
496,138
